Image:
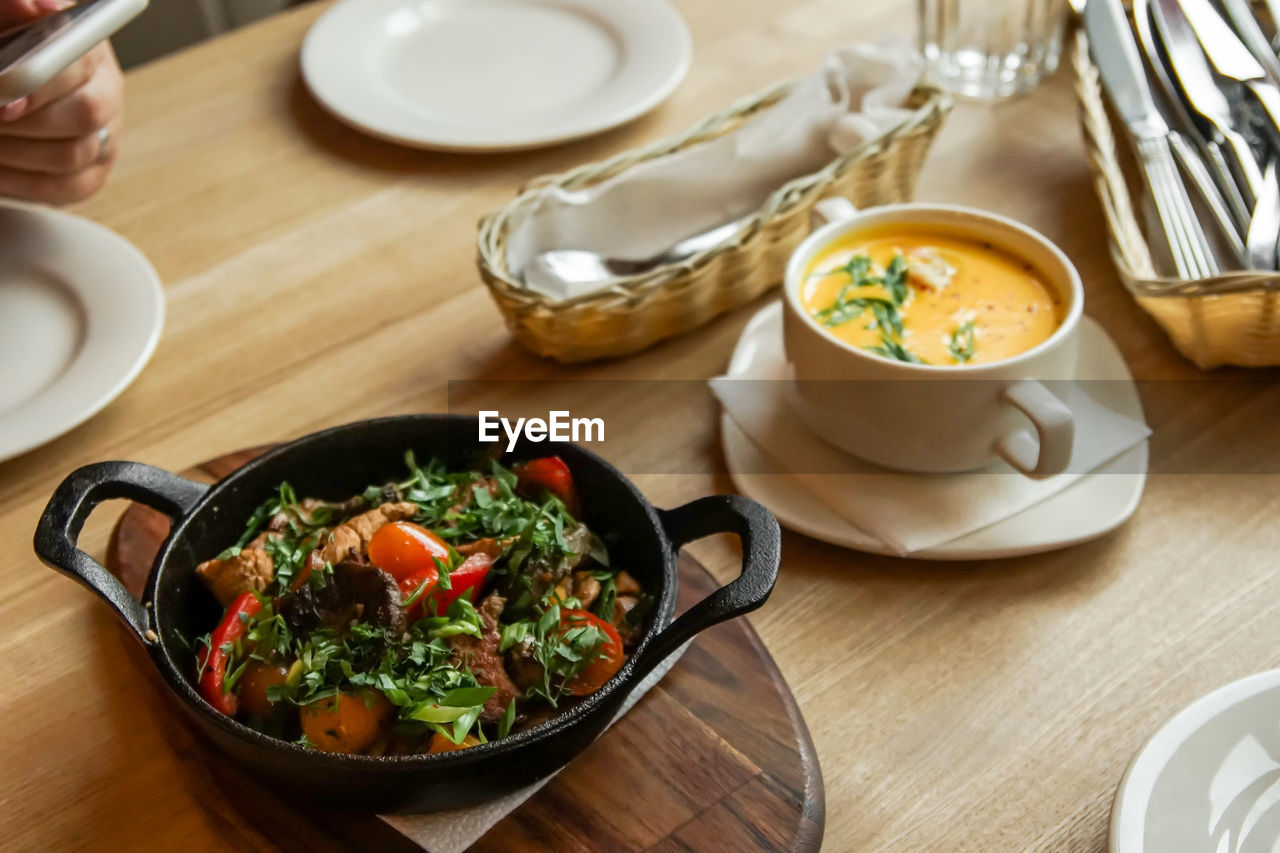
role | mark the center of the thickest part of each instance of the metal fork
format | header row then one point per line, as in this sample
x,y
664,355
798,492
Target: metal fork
x,y
1194,167
1187,242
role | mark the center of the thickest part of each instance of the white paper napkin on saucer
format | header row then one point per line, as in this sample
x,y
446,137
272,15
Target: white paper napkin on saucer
x,y
908,512
857,95
455,831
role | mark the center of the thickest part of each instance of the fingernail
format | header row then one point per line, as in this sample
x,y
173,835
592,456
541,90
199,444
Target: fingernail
x,y
53,5
13,109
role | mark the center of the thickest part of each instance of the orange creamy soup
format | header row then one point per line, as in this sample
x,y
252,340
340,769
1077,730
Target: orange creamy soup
x,y
929,295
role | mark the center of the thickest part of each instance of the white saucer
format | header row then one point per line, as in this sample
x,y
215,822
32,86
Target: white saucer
x,y
1209,780
1096,504
80,313
494,75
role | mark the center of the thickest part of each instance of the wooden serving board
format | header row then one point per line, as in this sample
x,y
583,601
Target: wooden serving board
x,y
716,757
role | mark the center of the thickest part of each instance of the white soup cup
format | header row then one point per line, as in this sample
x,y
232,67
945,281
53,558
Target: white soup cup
x,y
930,418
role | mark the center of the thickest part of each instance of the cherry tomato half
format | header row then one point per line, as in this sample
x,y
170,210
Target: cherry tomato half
x,y
550,473
346,722
403,549
252,687
609,659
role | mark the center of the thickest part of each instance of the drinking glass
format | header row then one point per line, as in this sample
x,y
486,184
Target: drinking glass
x,y
991,48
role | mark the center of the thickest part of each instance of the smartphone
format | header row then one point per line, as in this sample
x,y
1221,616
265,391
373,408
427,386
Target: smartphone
x,y
34,53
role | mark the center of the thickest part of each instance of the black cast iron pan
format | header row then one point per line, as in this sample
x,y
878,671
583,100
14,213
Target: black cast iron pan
x,y
335,464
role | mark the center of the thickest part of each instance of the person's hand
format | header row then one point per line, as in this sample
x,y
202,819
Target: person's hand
x,y
58,144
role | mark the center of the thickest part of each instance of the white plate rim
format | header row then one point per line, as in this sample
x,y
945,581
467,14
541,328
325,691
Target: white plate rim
x,y
1133,461
313,50
150,292
1127,829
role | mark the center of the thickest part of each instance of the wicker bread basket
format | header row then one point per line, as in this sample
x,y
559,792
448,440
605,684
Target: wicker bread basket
x,y
1230,318
644,309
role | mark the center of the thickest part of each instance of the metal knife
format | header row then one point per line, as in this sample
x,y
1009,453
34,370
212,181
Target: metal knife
x,y
1231,58
1246,26
1120,69
1203,95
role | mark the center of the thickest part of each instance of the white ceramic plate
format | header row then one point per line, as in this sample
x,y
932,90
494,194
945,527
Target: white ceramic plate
x,y
494,75
1096,504
80,313
1209,780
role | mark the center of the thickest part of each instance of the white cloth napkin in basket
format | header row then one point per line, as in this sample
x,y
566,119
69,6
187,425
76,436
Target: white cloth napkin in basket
x,y
908,512
857,95
455,831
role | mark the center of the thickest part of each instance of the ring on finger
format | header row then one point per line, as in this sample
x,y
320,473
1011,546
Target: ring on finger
x,y
104,144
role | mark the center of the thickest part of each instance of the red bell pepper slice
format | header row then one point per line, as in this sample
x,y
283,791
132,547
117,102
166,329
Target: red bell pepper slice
x,y
212,662
550,473
464,580
425,579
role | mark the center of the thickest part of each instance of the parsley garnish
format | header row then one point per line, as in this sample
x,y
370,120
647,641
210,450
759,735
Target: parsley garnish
x,y
895,279
891,348
887,310
419,670
561,652
963,342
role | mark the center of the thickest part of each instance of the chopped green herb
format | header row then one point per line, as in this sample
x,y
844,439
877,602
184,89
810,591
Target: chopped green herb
x,y
420,669
508,719
963,342
887,311
608,598
895,279
891,348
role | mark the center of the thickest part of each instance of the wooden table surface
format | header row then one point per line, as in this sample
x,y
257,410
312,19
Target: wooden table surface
x,y
315,277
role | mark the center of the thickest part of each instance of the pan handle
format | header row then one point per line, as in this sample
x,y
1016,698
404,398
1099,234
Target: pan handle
x,y
761,552
63,518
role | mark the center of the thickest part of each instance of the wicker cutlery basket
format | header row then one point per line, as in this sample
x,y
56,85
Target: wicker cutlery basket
x,y
1230,318
644,309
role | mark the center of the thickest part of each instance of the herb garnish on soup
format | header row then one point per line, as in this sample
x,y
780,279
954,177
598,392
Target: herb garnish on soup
x,y
929,296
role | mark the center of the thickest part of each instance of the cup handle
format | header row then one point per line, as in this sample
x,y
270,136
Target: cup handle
x,y
1055,428
830,210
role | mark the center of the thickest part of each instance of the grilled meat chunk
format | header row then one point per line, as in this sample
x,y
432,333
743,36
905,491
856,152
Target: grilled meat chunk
x,y
354,592
582,586
250,570
481,656
523,665
492,548
626,584
350,539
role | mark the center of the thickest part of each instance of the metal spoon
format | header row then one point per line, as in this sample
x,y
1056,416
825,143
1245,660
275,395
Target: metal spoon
x,y
566,273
